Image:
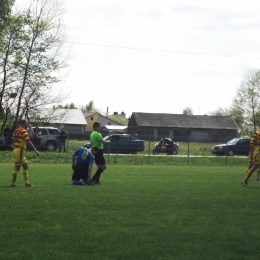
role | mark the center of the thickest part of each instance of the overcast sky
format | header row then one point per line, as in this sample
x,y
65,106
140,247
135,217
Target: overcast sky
x,y
160,56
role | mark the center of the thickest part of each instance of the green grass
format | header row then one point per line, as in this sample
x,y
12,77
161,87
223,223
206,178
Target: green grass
x,y
138,212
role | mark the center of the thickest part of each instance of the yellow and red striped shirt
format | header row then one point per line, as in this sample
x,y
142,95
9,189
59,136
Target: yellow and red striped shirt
x,y
20,138
255,138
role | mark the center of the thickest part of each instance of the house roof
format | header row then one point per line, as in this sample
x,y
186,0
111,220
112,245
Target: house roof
x,y
68,116
89,114
184,121
86,115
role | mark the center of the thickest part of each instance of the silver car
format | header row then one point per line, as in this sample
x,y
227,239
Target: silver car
x,y
48,139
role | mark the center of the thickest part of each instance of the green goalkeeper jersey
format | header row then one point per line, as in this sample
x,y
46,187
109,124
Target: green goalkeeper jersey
x,y
95,139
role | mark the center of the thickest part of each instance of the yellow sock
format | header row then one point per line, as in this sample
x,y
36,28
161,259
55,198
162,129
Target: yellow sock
x,y
14,176
25,176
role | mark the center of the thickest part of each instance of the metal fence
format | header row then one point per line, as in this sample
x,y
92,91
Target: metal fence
x,y
189,153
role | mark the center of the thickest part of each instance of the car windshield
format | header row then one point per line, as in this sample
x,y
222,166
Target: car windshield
x,y
233,141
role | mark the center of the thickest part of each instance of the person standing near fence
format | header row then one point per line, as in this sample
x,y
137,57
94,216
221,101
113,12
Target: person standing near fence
x,y
96,139
30,133
63,138
254,157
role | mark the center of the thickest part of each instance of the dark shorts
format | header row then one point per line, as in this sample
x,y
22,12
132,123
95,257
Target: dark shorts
x,y
80,172
99,158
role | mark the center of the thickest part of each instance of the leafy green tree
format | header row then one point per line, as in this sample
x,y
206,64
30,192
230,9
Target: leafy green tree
x,y
187,111
237,114
40,45
257,118
119,119
234,112
247,99
5,12
89,107
5,7
220,112
67,106
9,57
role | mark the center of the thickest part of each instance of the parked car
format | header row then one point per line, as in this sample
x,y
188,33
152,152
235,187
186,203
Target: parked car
x,y
236,146
123,144
48,139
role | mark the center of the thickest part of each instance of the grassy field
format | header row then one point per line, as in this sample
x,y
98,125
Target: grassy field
x,y
137,212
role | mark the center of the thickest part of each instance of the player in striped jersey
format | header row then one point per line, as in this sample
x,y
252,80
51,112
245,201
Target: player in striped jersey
x,y
254,157
21,140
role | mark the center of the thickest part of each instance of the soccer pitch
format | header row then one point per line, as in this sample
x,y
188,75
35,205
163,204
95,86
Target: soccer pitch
x,y
137,212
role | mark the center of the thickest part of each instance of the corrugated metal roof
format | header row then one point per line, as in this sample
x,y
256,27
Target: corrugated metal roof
x,y
68,116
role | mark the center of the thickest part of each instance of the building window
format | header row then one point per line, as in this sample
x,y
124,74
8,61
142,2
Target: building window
x,y
92,118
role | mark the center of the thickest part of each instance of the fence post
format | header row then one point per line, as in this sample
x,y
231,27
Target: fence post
x,y
149,150
188,158
67,148
108,148
226,154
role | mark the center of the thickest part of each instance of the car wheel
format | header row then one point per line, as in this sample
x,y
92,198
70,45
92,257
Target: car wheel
x,y
230,153
51,147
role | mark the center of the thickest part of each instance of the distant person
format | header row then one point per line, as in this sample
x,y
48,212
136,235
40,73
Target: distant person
x,y
37,132
8,134
20,139
96,139
254,157
63,138
82,164
30,132
251,161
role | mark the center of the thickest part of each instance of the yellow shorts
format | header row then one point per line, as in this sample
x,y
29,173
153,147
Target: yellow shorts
x,y
251,158
19,156
257,158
